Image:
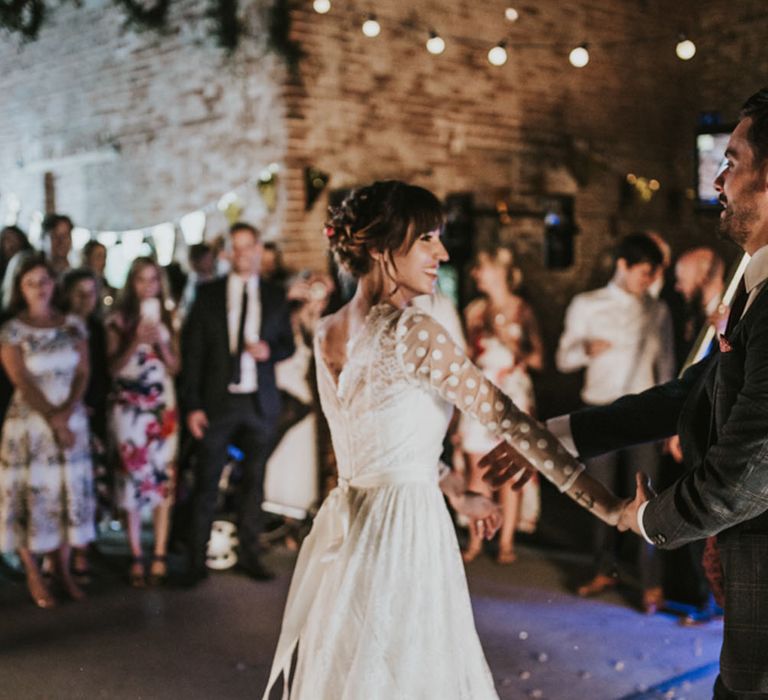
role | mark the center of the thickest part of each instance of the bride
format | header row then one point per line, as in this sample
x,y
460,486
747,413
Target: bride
x,y
378,607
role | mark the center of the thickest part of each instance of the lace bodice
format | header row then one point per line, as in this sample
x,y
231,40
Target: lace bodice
x,y
393,400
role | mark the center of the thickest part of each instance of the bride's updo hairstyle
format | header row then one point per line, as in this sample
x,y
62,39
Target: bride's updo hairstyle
x,y
386,217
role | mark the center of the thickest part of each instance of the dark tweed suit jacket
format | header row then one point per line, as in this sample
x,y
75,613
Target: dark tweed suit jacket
x,y
206,359
720,410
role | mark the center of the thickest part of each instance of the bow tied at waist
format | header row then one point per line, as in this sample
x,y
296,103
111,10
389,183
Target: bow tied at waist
x,y
322,546
331,525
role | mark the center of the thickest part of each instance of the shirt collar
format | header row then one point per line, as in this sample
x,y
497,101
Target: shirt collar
x,y
620,293
756,271
235,282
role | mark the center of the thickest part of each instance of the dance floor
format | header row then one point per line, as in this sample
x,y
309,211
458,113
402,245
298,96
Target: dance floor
x,y
215,642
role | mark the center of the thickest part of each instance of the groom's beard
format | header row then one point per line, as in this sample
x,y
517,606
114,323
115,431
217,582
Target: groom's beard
x,y
738,223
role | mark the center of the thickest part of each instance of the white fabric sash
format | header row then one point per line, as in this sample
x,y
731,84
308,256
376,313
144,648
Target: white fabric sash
x,y
321,547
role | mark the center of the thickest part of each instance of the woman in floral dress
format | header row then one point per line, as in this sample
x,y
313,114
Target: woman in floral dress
x,y
46,480
505,343
142,355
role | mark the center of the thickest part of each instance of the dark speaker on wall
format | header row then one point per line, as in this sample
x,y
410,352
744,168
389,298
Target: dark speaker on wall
x,y
559,230
459,224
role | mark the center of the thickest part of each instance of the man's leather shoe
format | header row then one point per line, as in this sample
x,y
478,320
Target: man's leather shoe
x,y
597,585
653,600
255,569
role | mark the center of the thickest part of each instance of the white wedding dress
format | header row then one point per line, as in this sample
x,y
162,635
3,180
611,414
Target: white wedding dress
x,y
379,605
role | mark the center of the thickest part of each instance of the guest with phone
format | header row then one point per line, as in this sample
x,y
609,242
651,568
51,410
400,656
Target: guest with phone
x,y
143,358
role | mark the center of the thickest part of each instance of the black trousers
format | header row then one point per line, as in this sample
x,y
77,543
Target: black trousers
x,y
720,692
241,424
617,471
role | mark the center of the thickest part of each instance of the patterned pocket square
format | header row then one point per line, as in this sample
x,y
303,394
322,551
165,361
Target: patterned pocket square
x,y
725,345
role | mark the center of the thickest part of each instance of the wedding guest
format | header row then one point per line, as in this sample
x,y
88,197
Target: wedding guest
x,y
14,245
80,298
202,268
699,284
94,258
504,341
57,240
272,267
699,280
143,359
623,337
295,472
237,329
46,481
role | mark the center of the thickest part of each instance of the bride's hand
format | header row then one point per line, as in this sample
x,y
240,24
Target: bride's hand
x,y
484,514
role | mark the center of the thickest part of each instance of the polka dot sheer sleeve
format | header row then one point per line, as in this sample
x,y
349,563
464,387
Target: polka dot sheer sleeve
x,y
430,358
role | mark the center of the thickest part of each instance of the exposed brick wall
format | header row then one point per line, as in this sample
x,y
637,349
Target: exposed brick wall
x,y
733,59
137,128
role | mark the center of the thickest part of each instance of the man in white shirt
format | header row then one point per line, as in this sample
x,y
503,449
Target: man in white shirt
x,y
237,329
623,337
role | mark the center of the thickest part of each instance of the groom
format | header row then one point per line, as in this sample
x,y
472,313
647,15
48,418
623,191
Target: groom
x,y
720,409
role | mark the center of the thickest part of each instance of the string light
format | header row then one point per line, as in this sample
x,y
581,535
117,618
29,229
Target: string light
x,y
685,49
497,56
435,43
579,57
371,27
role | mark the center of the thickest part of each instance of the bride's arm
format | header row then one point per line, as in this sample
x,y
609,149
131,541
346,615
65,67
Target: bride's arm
x,y
429,357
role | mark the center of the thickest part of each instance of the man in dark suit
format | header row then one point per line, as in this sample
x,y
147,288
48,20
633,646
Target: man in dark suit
x,y
237,328
719,407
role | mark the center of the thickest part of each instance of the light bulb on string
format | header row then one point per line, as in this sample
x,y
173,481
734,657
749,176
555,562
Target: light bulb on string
x,y
435,43
321,6
371,27
685,48
498,56
579,57
511,14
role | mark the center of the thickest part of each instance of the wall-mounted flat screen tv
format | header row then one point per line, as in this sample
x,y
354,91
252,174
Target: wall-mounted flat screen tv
x,y
710,153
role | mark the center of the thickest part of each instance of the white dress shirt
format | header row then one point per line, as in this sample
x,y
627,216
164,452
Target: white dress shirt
x,y
639,330
248,376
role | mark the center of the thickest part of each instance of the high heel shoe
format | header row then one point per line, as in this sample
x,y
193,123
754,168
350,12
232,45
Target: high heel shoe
x,y
158,571
136,575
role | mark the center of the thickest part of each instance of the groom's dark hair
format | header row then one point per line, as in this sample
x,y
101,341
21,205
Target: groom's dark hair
x,y
756,108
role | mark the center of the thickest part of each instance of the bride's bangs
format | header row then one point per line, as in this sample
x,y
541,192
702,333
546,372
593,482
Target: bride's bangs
x,y
424,213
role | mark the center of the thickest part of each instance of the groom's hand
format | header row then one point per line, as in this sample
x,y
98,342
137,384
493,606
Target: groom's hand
x,y
628,515
504,463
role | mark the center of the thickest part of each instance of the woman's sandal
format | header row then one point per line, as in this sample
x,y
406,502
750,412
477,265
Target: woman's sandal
x,y
506,556
41,596
81,569
136,574
471,553
158,571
